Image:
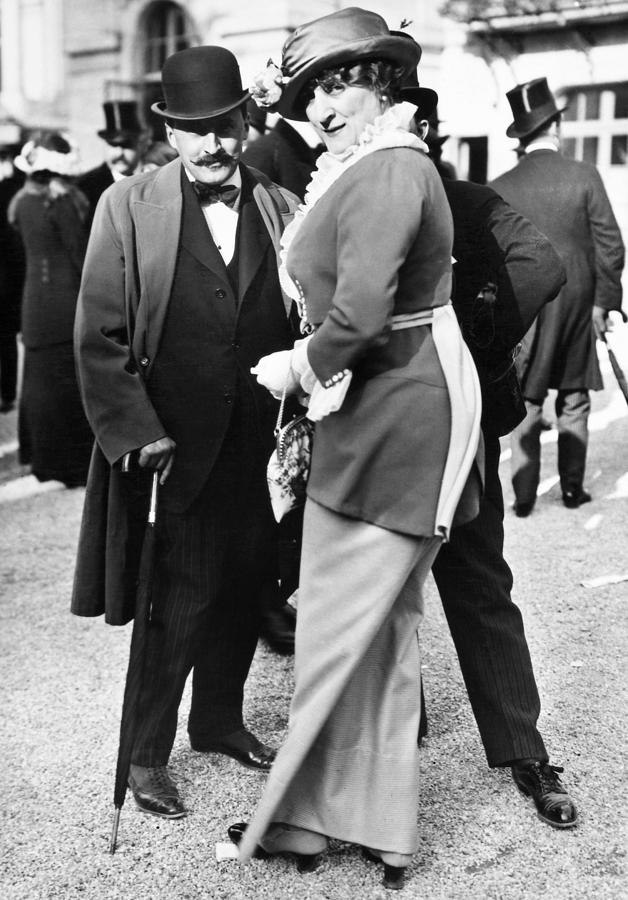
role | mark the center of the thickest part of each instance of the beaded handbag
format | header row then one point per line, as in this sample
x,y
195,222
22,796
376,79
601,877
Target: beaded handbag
x,y
289,466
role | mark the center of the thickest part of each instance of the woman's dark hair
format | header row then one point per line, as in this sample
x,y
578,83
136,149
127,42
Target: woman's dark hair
x,y
381,76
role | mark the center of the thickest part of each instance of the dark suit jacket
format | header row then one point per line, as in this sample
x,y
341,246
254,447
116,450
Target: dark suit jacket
x,y
495,244
93,184
284,157
567,201
12,264
124,299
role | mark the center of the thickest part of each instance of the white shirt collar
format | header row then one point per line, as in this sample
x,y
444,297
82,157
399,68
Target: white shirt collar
x,y
307,132
542,144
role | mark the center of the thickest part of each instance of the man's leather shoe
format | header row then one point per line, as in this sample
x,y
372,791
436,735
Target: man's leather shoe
x,y
155,792
242,746
540,781
277,628
574,499
522,508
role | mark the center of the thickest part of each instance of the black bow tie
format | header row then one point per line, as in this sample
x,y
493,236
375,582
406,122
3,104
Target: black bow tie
x,y
216,193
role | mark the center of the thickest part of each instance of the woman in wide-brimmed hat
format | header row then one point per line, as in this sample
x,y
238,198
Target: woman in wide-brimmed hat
x,y
395,397
50,214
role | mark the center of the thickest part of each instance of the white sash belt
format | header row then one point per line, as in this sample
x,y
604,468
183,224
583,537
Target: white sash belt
x,y
410,320
465,400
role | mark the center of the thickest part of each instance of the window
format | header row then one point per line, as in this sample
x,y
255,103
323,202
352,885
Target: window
x,y
619,150
166,31
595,124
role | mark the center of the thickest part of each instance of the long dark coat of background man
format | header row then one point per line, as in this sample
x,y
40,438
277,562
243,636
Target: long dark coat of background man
x,y
180,297
567,201
505,271
125,140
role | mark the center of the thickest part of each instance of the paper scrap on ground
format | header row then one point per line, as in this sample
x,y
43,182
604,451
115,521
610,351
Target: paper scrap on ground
x,y
604,579
226,850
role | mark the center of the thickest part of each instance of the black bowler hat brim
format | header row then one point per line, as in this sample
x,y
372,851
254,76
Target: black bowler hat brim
x,y
425,98
198,114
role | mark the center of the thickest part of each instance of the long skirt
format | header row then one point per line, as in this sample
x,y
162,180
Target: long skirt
x,y
349,766
55,438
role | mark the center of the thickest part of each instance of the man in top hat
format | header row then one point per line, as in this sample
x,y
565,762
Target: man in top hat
x,y
505,271
180,298
125,141
567,201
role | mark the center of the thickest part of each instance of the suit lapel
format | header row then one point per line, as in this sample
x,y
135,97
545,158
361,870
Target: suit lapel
x,y
252,239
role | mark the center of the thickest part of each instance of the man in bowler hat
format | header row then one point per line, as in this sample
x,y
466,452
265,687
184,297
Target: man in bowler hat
x,y
125,140
567,201
180,297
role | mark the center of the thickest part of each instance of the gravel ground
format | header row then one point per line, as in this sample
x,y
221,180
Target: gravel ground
x,y
61,691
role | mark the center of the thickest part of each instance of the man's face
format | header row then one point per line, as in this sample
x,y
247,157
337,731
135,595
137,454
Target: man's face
x,y
123,156
210,148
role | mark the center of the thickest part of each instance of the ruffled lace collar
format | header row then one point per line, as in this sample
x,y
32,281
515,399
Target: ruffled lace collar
x,y
386,131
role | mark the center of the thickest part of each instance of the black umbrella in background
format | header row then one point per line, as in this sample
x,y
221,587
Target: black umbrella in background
x,y
137,653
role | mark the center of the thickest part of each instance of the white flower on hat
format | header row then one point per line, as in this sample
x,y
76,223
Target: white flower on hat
x,y
268,85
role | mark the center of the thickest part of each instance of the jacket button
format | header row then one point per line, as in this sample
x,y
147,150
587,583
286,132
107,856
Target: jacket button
x,y
228,398
144,361
221,294
235,345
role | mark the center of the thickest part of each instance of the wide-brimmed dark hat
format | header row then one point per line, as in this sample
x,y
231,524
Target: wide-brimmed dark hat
x,y
532,105
425,98
200,83
121,121
343,37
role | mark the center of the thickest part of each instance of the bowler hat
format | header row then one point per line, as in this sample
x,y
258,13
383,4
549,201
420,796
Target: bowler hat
x,y
425,98
121,121
532,105
200,83
341,38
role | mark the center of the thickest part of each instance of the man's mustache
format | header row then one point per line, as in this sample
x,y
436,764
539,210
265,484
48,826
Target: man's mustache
x,y
221,157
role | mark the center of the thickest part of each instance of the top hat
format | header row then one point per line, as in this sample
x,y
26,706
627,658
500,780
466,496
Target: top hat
x,y
341,38
121,121
200,83
532,105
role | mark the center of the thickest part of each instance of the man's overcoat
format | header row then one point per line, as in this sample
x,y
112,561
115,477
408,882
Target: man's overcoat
x,y
567,201
125,292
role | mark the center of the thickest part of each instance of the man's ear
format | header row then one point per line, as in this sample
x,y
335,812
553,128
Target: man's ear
x,y
424,127
170,135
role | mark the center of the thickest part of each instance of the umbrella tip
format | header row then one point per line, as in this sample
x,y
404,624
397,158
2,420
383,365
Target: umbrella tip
x,y
114,831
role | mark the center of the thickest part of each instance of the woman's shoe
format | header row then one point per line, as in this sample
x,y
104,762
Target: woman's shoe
x,y
395,865
236,832
307,847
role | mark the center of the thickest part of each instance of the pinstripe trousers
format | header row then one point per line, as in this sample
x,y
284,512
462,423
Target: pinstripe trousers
x,y
205,614
474,582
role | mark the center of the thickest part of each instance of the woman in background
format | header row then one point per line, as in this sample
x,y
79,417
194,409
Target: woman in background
x,y
50,214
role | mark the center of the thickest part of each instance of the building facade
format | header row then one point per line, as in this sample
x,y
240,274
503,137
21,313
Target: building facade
x,y
60,59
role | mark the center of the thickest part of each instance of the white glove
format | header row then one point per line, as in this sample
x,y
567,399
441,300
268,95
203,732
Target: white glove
x,y
275,373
